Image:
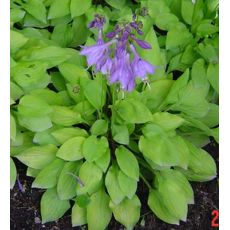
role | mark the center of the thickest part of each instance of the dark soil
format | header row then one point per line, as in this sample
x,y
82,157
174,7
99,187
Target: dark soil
x,y
25,210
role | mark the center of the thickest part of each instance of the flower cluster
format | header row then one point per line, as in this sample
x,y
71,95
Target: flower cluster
x,y
118,58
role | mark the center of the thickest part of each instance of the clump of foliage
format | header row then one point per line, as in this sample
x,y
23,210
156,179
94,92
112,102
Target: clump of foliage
x,y
88,141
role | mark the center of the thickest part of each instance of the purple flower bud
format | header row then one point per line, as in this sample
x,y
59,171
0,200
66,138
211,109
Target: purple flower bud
x,y
134,25
91,24
110,34
142,44
134,17
139,32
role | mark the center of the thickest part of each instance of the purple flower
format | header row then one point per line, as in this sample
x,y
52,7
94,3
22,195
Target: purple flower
x,y
121,72
98,22
95,54
139,66
141,43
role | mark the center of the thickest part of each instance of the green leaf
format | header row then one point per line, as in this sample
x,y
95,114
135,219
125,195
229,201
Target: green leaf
x,y
17,40
45,138
173,198
99,127
52,208
78,7
91,178
13,128
205,28
133,111
167,121
201,162
38,157
72,73
32,172
213,76
94,148
64,134
35,124
198,12
16,14
71,150
33,106
120,134
166,21
98,211
66,185
104,161
65,116
208,52
179,84
158,92
127,185
78,216
48,176
59,8
37,9
94,91
127,212
189,55
159,208
15,91
187,8
127,162
178,37
13,173
83,200
115,4
112,185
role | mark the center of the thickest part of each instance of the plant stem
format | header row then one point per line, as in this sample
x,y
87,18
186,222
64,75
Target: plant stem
x,y
145,181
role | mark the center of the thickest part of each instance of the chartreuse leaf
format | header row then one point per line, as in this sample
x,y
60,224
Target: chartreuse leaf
x,y
64,134
166,21
35,124
155,8
83,200
45,138
158,92
133,111
48,176
112,185
120,133
78,215
94,148
16,14
179,84
66,185
127,185
127,162
59,8
37,9
118,5
99,127
15,91
94,91
78,7
33,106
201,164
90,178
52,208
32,172
98,211
173,198
213,76
187,8
159,208
17,40
127,212
167,121
103,161
199,76
62,115
13,173
13,128
38,157
206,28
71,150
174,41
72,73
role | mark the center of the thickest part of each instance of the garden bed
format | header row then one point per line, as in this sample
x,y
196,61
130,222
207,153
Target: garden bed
x,y
25,206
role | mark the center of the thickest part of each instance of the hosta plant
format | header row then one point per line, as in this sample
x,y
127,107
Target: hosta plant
x,y
104,96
